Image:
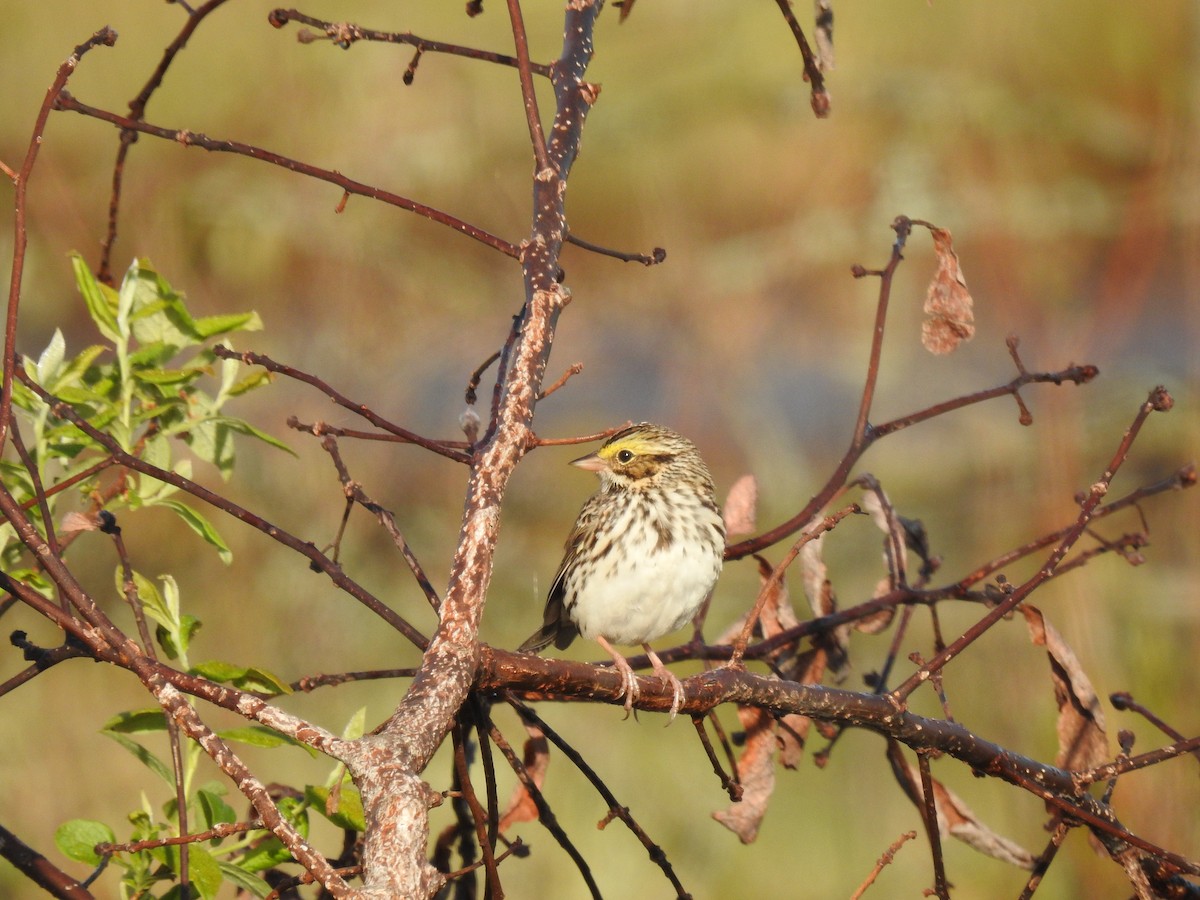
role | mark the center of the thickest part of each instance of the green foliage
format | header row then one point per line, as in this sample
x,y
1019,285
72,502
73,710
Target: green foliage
x,y
152,386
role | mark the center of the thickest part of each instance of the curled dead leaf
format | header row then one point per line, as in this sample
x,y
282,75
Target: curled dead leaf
x,y
756,774
954,817
1082,742
521,807
948,303
741,507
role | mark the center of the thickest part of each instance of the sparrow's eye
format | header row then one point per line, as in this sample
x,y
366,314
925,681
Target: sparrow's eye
x,y
624,456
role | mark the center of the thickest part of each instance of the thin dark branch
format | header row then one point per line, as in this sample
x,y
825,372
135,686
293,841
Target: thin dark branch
x,y
932,829
104,37
53,880
812,70
258,359
387,519
656,256
533,117
615,808
187,138
137,109
305,548
1158,401
346,34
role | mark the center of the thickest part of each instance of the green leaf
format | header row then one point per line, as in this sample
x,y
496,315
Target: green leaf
x,y
136,721
201,526
247,678
215,810
243,427
203,870
152,601
148,759
78,838
211,326
244,880
175,643
258,736
265,855
356,725
75,369
348,811
153,353
219,671
167,376
49,364
256,378
212,441
101,300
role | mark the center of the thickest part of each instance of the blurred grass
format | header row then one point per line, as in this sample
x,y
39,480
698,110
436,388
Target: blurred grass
x,y
1057,141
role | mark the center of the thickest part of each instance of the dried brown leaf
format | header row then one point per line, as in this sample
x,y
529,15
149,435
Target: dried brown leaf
x,y
741,507
521,807
777,612
954,817
1082,742
948,303
756,773
77,521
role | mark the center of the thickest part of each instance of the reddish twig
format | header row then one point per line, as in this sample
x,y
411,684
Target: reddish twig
x,y
137,110
104,37
886,860
346,34
305,548
812,71
1158,401
658,255
65,101
533,117
442,448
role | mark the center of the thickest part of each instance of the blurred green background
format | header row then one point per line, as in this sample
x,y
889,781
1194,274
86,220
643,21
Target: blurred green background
x,y
1057,141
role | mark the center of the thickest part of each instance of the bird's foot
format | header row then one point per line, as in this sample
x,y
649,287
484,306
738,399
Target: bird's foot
x,y
667,678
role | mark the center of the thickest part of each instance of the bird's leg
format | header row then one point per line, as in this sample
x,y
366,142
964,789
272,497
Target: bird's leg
x,y
664,674
630,688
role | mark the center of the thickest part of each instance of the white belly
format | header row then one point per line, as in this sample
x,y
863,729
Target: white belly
x,y
653,592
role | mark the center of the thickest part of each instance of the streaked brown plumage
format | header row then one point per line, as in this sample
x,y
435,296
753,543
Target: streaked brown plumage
x,y
644,554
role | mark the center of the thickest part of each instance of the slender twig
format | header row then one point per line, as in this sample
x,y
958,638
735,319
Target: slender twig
x,y
771,583
305,548
546,816
106,37
137,109
310,683
729,785
1141,761
656,256
812,70
573,369
65,101
479,816
355,493
258,359
1158,401
222,830
616,809
888,856
528,94
1042,863
932,829
346,34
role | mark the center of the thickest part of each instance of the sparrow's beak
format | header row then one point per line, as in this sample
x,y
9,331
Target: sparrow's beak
x,y
591,462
